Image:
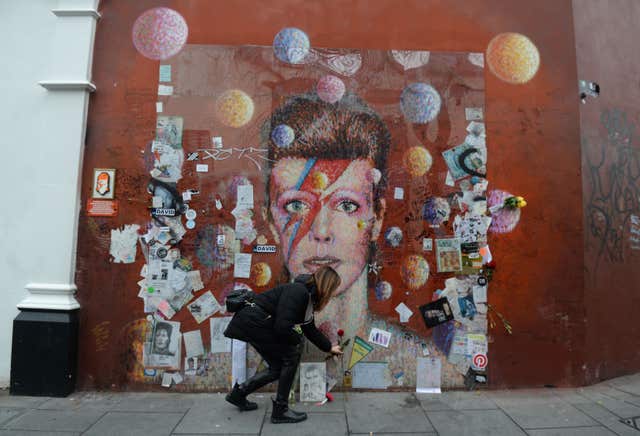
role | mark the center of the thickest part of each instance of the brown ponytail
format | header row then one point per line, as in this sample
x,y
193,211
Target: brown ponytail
x,y
327,281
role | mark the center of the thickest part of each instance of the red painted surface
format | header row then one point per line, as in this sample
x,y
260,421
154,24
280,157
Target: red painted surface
x,y
610,127
532,134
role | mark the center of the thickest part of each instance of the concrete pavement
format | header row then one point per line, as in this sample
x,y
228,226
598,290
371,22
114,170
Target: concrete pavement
x,y
595,410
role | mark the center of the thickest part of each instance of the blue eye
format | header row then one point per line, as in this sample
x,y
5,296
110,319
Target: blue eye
x,y
296,206
348,206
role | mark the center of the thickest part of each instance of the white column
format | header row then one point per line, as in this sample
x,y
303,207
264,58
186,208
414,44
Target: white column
x,y
59,161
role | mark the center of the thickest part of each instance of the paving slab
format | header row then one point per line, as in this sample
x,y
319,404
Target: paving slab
x,y
629,384
616,402
335,406
7,414
83,401
20,402
36,433
456,401
385,412
55,420
474,423
607,419
317,424
135,424
574,431
157,402
547,415
211,414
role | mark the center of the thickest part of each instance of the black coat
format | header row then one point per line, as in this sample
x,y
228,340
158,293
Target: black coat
x,y
278,310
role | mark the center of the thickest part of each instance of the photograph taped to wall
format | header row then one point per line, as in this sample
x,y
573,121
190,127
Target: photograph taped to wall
x,y
163,349
190,365
312,381
448,255
104,183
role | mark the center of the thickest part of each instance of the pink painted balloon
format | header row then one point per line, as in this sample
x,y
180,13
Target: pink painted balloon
x,y
159,33
503,220
330,89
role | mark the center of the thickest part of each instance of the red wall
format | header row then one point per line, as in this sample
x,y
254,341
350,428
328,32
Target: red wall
x,y
610,127
532,135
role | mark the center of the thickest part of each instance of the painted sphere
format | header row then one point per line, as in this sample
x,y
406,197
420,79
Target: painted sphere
x,y
417,161
393,236
436,210
420,103
234,108
282,136
261,274
330,89
159,33
415,271
291,45
503,220
512,57
383,291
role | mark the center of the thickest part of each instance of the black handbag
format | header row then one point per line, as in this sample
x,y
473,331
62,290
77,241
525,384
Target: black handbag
x,y
239,298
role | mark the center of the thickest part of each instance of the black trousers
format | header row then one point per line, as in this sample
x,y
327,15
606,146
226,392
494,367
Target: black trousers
x,y
255,326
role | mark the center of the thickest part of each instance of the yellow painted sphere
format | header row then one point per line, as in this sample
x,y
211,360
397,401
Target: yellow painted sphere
x,y
320,180
415,271
417,161
234,108
512,57
261,274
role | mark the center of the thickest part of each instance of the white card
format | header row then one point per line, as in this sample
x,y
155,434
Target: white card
x,y
165,90
167,378
156,201
398,193
158,106
479,294
473,113
186,196
202,168
404,312
177,378
216,141
193,343
242,265
427,244
449,180
245,197
428,375
380,337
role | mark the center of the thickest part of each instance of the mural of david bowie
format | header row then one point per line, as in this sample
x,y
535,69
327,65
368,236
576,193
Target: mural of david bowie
x,y
326,206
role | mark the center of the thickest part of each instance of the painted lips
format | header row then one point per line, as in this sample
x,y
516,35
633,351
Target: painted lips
x,y
314,263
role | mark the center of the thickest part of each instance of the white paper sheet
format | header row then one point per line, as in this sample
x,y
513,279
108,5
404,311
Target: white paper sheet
x,y
202,168
238,362
404,312
312,381
245,197
165,90
205,306
398,193
428,375
124,244
242,265
193,343
219,342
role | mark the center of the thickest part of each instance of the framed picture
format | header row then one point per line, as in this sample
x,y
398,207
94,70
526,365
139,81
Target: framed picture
x,y
104,183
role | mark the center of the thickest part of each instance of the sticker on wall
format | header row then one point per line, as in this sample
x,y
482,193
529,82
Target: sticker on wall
x,y
448,255
107,208
380,337
436,313
104,180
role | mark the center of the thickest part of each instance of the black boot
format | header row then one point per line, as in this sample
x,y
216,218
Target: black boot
x,y
281,413
238,397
